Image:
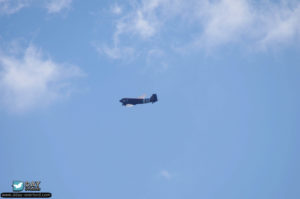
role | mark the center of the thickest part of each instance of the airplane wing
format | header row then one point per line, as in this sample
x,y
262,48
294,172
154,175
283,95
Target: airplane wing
x,y
142,97
129,105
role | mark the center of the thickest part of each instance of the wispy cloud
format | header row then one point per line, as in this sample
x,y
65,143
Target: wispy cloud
x,y
8,7
56,6
116,9
165,174
31,80
281,25
224,21
207,24
116,52
140,21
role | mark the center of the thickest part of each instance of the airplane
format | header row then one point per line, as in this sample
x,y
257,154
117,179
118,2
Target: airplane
x,y
140,100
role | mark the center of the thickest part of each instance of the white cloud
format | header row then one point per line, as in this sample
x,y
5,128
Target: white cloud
x,y
165,174
12,6
137,23
282,25
140,22
142,26
224,21
207,24
116,9
145,19
116,52
8,7
55,6
31,80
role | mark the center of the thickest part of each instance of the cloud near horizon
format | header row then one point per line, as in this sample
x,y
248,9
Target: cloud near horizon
x,y
205,24
31,80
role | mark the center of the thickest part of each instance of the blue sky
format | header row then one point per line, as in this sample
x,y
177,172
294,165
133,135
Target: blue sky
x,y
226,73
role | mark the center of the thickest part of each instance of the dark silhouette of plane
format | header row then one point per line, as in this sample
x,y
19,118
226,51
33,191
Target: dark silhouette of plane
x,y
139,100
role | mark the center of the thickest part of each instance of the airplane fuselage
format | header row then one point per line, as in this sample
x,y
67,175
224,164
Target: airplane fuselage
x,y
135,101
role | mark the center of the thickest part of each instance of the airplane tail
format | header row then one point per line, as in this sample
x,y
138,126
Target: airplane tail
x,y
153,98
